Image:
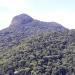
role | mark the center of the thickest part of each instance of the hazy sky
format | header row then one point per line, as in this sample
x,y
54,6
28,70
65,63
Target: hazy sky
x,y
61,11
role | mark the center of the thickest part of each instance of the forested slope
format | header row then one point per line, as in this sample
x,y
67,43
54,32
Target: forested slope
x,y
32,47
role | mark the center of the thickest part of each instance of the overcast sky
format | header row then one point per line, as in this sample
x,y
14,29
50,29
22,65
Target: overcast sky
x,y
61,11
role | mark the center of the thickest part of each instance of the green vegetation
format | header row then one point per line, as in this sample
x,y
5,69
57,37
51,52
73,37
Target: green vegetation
x,y
51,53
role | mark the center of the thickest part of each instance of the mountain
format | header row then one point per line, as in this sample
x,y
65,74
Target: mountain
x,y
32,47
23,26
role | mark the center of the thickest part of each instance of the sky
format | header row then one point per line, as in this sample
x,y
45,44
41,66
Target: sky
x,y
60,11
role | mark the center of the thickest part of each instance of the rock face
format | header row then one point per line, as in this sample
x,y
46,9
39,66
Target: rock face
x,y
25,20
21,19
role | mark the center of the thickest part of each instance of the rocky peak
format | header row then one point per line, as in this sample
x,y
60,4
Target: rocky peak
x,y
21,19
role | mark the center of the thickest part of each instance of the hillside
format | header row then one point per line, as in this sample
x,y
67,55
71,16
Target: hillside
x,y
33,47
